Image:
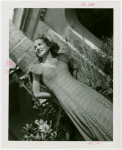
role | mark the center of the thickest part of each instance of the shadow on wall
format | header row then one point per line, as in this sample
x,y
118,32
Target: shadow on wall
x,y
73,22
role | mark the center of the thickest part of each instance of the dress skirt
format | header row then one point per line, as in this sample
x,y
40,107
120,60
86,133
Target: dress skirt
x,y
91,113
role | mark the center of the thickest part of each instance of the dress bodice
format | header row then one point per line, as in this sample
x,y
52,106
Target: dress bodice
x,y
54,72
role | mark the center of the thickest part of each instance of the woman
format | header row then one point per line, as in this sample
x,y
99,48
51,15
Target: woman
x,y
90,112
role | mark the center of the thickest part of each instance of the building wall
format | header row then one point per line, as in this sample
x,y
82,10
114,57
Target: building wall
x,y
17,16
55,18
31,22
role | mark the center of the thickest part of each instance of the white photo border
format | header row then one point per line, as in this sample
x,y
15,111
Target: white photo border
x,y
6,6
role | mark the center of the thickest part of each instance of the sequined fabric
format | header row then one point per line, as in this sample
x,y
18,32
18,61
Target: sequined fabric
x,y
90,112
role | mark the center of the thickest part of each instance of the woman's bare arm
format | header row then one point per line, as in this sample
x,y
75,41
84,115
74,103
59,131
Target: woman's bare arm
x,y
36,88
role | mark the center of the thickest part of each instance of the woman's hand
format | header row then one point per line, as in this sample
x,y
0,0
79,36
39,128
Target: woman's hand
x,y
42,95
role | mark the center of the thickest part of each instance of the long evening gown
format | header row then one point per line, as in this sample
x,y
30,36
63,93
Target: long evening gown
x,y
90,112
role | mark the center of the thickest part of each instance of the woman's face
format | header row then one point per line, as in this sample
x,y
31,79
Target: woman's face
x,y
41,48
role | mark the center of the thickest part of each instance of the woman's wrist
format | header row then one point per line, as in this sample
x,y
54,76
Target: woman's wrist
x,y
43,95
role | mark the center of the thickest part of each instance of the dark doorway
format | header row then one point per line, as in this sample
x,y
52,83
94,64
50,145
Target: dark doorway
x,y
97,21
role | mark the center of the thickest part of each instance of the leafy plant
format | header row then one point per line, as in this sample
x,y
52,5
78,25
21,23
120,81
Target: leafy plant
x,y
107,47
28,132
42,132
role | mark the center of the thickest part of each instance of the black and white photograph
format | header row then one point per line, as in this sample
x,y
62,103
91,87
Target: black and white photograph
x,y
60,72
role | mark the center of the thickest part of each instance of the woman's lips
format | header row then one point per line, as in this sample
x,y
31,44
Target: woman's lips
x,y
39,51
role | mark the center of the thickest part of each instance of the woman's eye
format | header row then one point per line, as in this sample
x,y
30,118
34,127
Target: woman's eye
x,y
34,47
39,44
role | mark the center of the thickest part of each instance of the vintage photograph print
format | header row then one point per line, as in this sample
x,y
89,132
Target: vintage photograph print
x,y
60,74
